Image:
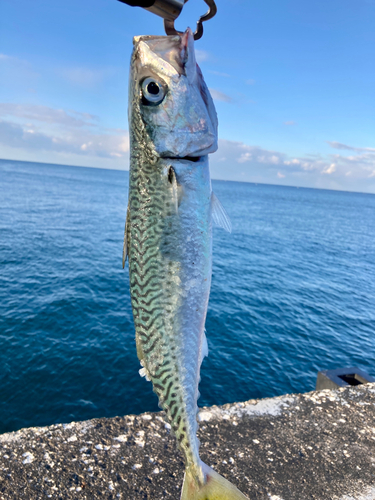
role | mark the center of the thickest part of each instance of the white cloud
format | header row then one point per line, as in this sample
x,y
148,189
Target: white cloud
x,y
86,77
306,163
201,55
291,122
245,157
339,145
44,129
220,96
255,164
218,73
15,71
79,141
329,170
46,114
42,133
257,155
12,59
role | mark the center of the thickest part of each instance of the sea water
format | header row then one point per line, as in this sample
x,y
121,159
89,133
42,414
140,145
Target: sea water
x,y
293,292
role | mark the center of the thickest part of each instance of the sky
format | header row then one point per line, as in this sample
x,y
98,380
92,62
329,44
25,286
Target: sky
x,y
293,83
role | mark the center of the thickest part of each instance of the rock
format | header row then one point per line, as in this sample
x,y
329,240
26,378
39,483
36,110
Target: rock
x,y
319,445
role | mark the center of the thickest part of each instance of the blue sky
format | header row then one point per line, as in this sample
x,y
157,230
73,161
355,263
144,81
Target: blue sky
x,y
293,83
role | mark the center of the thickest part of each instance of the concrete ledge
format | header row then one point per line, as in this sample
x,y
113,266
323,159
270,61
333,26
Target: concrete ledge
x,y
319,445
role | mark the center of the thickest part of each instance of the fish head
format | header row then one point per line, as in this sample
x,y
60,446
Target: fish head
x,y
168,91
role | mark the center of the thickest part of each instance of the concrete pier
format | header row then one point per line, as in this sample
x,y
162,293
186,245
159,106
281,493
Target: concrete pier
x,y
319,445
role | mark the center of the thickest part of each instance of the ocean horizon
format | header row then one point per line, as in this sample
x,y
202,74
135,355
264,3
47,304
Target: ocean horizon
x,y
2,160
292,293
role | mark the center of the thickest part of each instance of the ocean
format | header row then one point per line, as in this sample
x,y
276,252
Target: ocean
x,y
293,292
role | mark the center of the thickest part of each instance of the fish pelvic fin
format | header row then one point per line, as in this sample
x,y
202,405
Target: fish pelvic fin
x,y
125,245
215,487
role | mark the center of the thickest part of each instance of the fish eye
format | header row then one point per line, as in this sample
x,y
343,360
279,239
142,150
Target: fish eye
x,y
153,92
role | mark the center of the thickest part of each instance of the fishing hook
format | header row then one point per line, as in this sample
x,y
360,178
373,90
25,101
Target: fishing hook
x,y
169,10
212,9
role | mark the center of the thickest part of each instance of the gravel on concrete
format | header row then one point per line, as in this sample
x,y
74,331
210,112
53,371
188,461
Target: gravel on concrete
x,y
319,445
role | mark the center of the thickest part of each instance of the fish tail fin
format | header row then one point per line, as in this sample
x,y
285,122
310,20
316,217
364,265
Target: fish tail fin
x,y
215,488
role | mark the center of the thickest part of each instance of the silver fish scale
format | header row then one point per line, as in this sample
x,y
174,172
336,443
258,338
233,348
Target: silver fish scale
x,y
154,228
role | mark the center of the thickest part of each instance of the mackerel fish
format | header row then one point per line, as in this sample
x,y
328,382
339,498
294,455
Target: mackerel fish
x,y
168,236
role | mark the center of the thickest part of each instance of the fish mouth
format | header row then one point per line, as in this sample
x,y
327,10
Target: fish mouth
x,y
187,158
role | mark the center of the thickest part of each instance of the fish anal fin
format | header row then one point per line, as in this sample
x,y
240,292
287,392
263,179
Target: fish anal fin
x,y
139,348
219,214
204,348
215,488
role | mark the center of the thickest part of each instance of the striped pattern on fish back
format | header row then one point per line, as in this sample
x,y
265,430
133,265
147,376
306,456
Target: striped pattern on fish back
x,y
155,281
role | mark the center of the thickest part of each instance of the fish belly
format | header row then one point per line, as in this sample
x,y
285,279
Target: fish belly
x,y
170,247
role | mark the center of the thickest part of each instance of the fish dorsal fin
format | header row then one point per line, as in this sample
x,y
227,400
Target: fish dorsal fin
x,y
125,246
219,215
188,55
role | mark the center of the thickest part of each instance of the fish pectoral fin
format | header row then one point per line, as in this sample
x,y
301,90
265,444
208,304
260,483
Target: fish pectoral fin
x,y
125,245
175,189
219,214
215,488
